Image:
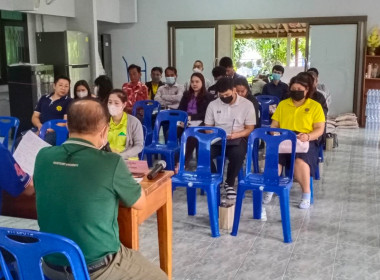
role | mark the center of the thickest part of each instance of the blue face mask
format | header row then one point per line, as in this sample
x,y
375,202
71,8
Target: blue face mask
x,y
170,80
276,76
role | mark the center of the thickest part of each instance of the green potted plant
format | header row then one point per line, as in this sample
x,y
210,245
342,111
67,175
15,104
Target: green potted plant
x,y
373,41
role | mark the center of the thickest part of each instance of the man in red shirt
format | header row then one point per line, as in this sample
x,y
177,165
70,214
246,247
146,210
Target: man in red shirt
x,y
135,90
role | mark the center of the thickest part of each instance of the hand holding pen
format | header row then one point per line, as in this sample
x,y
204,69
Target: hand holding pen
x,y
232,135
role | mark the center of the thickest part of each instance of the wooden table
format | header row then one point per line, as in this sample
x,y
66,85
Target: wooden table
x,y
158,199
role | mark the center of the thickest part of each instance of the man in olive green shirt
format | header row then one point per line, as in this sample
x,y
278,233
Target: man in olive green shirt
x,y
78,188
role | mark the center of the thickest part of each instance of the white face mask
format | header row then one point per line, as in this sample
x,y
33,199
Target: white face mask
x,y
170,80
197,70
82,94
115,110
104,141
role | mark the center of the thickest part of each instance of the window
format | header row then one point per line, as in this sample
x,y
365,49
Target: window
x,y
13,41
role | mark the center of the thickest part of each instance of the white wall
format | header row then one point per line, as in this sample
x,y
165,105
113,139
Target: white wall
x,y
64,8
148,37
86,22
6,5
108,10
117,11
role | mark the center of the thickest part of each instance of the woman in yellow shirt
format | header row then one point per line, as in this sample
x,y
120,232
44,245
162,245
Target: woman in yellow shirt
x,y
305,117
125,134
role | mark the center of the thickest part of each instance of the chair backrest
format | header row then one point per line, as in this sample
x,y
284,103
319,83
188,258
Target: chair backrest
x,y
264,102
149,106
272,138
145,133
6,125
61,132
28,247
206,136
173,117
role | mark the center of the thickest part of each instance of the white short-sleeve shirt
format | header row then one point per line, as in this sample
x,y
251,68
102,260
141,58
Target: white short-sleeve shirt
x,y
231,117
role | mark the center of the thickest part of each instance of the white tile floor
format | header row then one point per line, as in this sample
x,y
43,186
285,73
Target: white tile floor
x,y
338,238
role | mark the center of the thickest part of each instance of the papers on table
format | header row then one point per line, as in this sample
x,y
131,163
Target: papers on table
x,y
194,123
138,180
138,168
27,151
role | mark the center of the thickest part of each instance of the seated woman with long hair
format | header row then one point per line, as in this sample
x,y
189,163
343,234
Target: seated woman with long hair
x,y
81,89
305,117
125,135
196,99
195,102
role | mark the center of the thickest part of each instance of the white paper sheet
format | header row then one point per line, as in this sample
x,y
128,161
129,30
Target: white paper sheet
x,y
27,151
194,123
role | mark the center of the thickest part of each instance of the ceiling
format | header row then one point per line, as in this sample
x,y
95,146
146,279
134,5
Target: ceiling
x,y
269,30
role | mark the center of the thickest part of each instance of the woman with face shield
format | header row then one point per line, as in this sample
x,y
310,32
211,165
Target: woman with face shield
x,y
125,135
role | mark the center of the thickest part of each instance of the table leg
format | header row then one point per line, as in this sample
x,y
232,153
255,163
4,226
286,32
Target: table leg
x,y
128,228
165,234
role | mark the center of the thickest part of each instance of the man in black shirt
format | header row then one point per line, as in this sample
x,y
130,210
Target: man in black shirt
x,y
276,87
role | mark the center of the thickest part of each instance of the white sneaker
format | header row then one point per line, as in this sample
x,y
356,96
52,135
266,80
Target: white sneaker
x,y
263,214
267,197
305,204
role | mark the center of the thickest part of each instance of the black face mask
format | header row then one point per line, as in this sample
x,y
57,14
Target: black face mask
x,y
296,95
227,99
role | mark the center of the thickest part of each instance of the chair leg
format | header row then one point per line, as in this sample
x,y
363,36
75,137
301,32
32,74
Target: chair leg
x,y
202,192
238,205
213,211
218,196
321,157
311,190
241,174
149,159
317,177
191,201
285,216
257,197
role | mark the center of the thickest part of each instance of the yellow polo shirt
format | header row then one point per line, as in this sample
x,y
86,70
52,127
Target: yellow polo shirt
x,y
117,134
300,119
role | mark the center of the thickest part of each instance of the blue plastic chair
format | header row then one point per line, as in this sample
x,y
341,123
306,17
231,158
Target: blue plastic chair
x,y
6,125
202,178
320,159
268,181
149,106
264,102
171,147
31,247
145,132
61,132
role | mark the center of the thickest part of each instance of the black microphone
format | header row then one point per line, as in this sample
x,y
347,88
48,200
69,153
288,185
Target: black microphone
x,y
160,165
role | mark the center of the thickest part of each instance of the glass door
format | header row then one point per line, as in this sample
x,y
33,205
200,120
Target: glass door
x,y
194,44
333,53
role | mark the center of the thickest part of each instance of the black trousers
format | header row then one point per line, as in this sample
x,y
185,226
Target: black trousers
x,y
235,154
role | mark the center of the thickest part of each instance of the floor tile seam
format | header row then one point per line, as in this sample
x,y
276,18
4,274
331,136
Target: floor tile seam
x,y
249,250
295,243
337,242
200,258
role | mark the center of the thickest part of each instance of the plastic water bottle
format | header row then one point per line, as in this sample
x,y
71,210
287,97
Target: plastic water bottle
x,y
369,96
